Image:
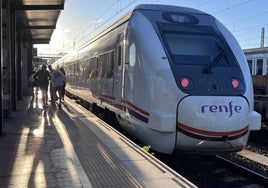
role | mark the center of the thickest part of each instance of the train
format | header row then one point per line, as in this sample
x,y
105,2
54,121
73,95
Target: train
x,y
257,60
175,78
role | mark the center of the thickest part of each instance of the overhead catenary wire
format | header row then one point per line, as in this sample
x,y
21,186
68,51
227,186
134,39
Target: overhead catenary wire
x,y
202,4
91,25
247,18
92,28
234,6
84,37
242,30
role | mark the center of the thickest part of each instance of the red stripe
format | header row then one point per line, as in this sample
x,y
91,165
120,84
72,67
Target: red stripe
x,y
135,107
211,133
108,97
127,103
211,138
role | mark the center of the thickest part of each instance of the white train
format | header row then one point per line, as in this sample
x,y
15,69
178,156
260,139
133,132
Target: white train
x,y
175,77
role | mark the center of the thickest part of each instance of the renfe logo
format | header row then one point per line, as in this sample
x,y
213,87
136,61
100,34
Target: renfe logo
x,y
221,108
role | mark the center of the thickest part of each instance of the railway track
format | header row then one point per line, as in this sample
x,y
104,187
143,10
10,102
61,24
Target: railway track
x,y
208,170
253,163
258,141
247,168
212,171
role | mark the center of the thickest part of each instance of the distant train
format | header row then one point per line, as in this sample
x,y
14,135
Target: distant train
x,y
175,77
258,59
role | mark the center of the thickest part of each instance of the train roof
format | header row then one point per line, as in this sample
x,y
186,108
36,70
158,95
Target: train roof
x,y
153,7
262,50
126,17
172,8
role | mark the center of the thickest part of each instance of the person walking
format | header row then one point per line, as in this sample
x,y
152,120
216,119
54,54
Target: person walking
x,y
51,92
43,76
57,81
64,83
34,84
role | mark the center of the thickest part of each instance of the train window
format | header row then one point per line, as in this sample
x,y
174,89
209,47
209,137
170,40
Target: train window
x,y
106,65
82,69
267,68
194,45
119,56
103,65
110,68
250,65
132,54
92,68
259,66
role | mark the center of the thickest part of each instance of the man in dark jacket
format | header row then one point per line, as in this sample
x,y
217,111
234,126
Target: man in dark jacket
x,y
43,76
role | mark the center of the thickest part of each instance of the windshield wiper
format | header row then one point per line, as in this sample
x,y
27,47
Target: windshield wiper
x,y
208,69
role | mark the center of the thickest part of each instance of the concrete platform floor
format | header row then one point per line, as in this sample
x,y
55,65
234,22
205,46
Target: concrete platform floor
x,y
70,147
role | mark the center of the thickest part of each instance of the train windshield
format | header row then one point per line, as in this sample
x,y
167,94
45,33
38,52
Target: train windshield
x,y
194,45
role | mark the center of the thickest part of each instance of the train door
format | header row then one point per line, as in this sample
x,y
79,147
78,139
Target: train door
x,y
257,66
118,68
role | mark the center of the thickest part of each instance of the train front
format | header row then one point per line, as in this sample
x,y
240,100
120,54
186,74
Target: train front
x,y
215,112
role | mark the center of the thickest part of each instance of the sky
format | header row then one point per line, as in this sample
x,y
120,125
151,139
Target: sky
x,y
82,19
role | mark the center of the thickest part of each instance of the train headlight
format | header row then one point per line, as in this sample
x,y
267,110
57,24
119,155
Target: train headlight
x,y
180,18
186,83
236,84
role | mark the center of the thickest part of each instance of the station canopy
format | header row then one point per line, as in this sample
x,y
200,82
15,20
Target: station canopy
x,y
38,18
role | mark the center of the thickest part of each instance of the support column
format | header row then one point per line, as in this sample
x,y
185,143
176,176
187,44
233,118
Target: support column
x,y
30,59
12,52
19,65
1,67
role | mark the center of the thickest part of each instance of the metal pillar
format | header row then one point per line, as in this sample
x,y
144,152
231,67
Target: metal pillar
x,y
262,36
19,64
1,66
30,59
12,53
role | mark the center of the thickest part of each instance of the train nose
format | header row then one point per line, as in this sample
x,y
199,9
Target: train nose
x,y
212,122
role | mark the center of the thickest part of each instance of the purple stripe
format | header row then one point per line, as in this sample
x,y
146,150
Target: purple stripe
x,y
125,107
200,137
137,115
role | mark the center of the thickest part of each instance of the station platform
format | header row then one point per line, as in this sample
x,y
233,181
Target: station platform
x,y
71,147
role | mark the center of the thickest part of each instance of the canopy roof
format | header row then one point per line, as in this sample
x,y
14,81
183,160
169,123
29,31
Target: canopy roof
x,y
38,18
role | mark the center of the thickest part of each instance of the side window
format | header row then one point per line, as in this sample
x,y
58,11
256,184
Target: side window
x,y
110,68
120,49
259,66
119,62
250,65
101,67
132,54
267,69
106,65
77,68
93,68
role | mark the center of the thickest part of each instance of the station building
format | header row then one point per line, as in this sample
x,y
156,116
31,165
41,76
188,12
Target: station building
x,y
23,24
257,59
